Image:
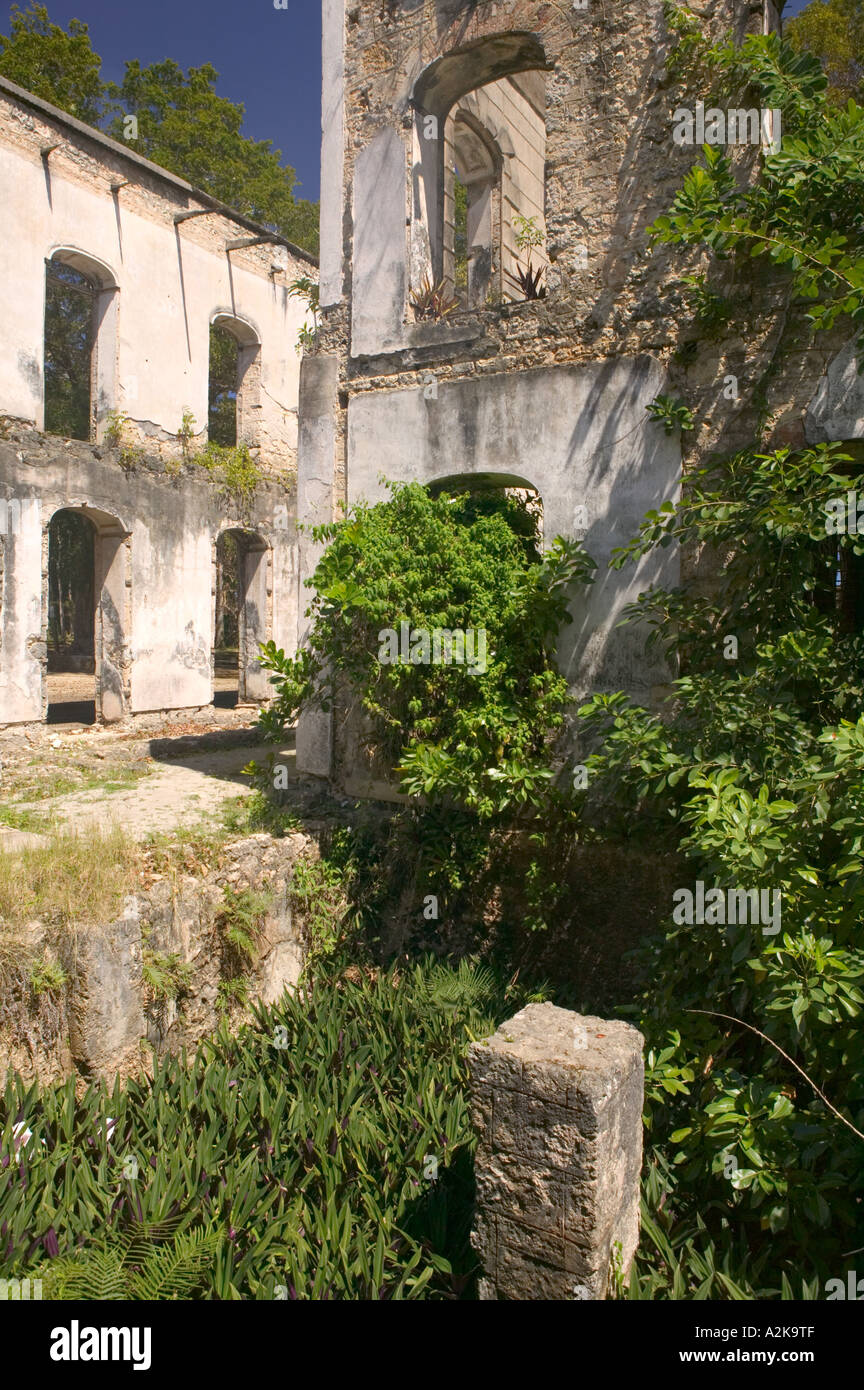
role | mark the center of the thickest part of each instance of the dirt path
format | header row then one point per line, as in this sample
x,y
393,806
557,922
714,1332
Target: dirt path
x,y
167,793
178,793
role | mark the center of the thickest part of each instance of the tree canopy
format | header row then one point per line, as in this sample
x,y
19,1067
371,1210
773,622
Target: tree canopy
x,y
833,30
182,122
56,65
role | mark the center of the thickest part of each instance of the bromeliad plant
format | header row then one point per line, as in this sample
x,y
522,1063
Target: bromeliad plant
x,y
323,1152
432,301
528,238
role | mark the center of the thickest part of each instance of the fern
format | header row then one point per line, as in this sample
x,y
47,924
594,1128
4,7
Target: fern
x,y
176,1271
139,1267
96,1276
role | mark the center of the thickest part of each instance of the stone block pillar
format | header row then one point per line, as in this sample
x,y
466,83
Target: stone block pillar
x,y
557,1105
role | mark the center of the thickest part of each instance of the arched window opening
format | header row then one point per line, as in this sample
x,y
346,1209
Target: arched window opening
x,y
472,211
478,222
71,654
240,618
80,342
234,383
498,494
222,402
70,324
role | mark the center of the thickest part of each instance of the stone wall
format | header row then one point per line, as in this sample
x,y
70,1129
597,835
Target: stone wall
x,y
168,261
549,392
109,1021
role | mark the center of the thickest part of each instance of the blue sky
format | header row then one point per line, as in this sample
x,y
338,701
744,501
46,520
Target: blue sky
x,y
268,59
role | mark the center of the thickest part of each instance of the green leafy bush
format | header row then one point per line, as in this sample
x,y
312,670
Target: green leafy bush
x,y
755,774
233,469
479,739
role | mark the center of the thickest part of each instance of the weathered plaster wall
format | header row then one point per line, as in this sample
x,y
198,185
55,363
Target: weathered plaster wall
x,y
165,283
580,435
508,389
157,534
836,411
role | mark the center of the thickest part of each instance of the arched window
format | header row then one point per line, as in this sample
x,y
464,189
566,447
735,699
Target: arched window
x,y
234,382
70,312
479,171
80,329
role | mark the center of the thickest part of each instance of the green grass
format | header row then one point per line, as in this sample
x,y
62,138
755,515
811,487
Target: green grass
x,y
23,818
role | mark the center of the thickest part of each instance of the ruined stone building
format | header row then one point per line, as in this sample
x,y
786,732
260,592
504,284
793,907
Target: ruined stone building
x,y
506,156
467,143
117,282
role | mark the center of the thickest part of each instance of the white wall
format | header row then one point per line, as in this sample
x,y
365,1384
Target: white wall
x,y
172,281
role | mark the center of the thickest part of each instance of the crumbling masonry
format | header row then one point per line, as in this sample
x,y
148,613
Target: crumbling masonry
x,y
462,139
548,393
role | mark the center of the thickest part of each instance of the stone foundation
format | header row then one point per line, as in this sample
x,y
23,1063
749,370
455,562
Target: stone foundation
x,y
108,1022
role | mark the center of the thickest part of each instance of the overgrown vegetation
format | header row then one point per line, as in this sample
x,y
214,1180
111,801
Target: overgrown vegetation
x,y
755,1095
307,290
166,975
72,877
324,1152
475,733
240,924
306,1139
233,469
754,772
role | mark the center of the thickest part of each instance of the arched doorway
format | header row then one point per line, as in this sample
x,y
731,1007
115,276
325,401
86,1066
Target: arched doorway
x,y
241,617
86,663
71,647
517,500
